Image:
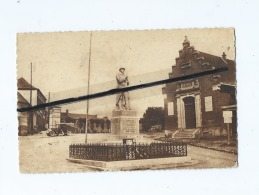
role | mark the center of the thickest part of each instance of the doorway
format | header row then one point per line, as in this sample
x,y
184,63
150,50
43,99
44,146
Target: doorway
x,y
190,116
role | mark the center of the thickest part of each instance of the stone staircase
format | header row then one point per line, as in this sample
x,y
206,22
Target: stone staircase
x,y
186,134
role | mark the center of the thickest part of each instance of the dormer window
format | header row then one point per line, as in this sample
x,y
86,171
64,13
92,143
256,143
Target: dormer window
x,y
186,65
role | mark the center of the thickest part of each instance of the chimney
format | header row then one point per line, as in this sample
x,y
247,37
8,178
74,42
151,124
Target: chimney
x,y
224,56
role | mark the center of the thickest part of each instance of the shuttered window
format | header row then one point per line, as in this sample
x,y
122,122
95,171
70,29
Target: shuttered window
x,y
208,104
170,108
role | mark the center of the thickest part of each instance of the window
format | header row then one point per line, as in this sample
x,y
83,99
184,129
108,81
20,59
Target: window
x,y
208,104
170,108
215,87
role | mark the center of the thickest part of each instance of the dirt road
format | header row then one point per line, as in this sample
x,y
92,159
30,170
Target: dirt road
x,y
42,154
208,158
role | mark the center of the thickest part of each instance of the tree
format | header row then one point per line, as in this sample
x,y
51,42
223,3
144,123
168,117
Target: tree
x,y
153,116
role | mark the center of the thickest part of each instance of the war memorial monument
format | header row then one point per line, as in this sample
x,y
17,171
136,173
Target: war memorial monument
x,y
125,148
125,123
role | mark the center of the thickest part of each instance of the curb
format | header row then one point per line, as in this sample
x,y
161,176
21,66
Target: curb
x,y
143,164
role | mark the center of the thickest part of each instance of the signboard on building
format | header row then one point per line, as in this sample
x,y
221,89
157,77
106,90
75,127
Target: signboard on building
x,y
227,116
227,119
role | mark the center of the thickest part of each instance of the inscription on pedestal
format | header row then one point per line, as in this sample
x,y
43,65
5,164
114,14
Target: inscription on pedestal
x,y
129,125
125,122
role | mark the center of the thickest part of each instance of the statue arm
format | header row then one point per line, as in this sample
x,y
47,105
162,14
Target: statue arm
x,y
120,79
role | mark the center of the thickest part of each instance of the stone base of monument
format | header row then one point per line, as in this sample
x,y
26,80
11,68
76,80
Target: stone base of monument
x,y
116,139
108,138
125,124
143,164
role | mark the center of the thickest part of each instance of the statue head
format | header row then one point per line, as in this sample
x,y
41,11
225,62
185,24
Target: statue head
x,y
122,69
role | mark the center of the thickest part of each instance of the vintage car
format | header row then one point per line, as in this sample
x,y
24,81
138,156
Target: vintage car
x,y
60,129
155,128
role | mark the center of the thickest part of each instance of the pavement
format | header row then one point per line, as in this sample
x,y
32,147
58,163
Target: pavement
x,y
42,154
208,158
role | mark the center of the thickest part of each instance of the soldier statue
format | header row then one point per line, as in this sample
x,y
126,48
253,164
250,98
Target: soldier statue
x,y
122,99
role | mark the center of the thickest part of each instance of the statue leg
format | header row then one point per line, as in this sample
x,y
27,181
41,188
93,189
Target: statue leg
x,y
123,101
126,99
118,100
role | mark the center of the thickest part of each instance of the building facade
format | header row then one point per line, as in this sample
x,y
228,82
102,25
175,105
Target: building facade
x,y
54,116
33,96
198,103
24,123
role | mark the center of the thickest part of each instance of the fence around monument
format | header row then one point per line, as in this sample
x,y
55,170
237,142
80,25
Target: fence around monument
x,y
116,152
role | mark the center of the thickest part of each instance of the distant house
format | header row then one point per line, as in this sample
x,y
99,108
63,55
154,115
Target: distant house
x,y
23,117
198,103
33,96
95,125
99,125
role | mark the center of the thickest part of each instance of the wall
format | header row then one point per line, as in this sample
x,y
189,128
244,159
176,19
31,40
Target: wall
x,y
54,117
26,95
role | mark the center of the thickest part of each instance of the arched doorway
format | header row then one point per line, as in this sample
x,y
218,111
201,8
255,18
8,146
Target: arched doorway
x,y
190,116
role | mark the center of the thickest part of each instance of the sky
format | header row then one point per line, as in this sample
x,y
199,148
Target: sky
x,y
60,62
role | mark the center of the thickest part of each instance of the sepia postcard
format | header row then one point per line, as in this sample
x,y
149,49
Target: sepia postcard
x,y
126,100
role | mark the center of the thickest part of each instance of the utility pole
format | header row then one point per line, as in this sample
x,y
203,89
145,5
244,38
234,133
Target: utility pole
x,y
228,134
31,113
88,87
48,110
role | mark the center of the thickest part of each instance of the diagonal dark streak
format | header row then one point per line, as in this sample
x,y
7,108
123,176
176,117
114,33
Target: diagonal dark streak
x,y
115,91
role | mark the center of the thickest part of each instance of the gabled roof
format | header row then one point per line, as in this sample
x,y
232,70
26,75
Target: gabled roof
x,y
22,84
192,61
210,62
218,62
22,100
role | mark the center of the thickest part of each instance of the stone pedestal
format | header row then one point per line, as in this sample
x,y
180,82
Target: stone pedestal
x,y
125,123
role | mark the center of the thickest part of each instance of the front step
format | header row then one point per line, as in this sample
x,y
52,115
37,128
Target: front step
x,y
186,134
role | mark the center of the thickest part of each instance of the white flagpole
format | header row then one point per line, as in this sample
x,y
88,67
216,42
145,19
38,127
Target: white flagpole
x,y
88,87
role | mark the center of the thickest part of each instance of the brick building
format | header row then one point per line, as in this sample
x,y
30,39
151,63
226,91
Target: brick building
x,y
198,103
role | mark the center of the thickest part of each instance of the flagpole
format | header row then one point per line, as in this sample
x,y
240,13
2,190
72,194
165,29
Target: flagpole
x,y
88,88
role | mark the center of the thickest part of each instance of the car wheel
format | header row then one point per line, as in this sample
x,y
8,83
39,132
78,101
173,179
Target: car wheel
x,y
51,133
